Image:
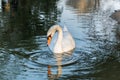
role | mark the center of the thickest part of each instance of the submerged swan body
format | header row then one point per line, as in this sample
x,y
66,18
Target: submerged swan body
x,y
59,39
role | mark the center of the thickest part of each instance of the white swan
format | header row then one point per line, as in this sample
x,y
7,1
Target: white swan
x,y
59,40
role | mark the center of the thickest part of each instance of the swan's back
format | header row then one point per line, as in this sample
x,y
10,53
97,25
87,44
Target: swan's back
x,y
68,41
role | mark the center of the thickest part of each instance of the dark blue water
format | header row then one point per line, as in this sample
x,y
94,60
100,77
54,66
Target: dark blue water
x,y
24,54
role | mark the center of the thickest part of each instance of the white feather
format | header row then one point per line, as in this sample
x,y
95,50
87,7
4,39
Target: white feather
x,y
62,41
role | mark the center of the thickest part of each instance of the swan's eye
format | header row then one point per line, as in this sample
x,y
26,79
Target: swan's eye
x,y
49,38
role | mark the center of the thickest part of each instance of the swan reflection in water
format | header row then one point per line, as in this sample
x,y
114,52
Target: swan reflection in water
x,y
59,62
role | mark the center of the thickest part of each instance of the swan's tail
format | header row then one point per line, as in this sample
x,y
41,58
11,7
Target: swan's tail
x,y
65,28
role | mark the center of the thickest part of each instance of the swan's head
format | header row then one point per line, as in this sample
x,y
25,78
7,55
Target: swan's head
x,y
51,33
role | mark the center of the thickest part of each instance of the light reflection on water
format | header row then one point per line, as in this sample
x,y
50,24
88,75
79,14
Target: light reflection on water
x,y
24,54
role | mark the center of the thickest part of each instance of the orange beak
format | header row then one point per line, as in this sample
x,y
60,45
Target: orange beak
x,y
49,40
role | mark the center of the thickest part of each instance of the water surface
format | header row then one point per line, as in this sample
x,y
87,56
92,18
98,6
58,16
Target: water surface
x,y
24,54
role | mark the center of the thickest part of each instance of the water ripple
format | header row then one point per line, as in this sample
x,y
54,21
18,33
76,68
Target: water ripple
x,y
46,58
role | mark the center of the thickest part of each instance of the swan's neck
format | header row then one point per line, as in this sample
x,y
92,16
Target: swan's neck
x,y
58,45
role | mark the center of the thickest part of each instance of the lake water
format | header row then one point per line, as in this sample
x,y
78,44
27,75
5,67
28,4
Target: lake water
x,y
24,54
